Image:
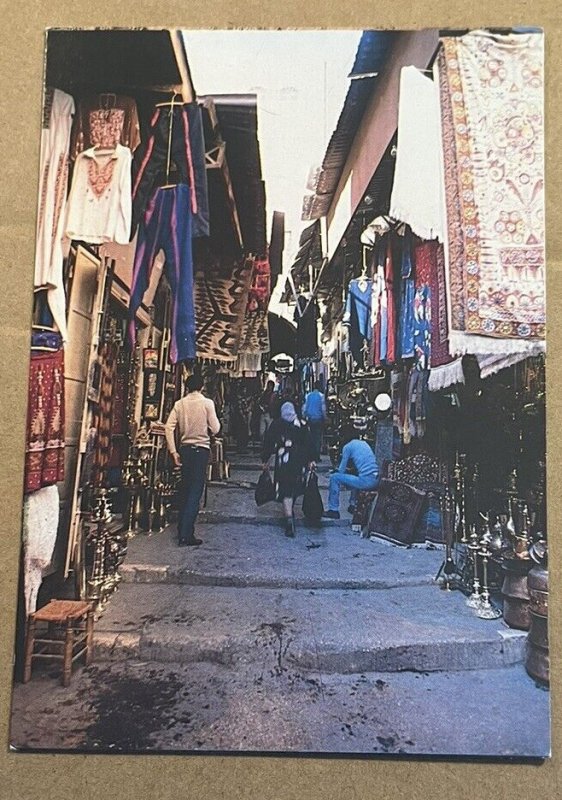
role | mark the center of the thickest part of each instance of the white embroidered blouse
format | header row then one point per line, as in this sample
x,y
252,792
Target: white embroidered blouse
x,y
100,204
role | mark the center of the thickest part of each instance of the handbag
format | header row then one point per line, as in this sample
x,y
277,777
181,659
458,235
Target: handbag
x,y
265,490
312,505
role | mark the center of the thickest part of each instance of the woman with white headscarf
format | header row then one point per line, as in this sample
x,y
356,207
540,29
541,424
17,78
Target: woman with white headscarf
x,y
291,444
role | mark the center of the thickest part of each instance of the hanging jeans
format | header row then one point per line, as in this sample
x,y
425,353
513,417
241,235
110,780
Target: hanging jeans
x,y
167,227
348,481
194,462
185,151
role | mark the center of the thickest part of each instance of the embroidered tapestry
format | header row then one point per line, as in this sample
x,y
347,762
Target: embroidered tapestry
x,y
221,306
491,91
44,456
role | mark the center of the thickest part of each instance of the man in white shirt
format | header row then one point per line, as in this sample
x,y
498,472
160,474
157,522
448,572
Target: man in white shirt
x,y
195,418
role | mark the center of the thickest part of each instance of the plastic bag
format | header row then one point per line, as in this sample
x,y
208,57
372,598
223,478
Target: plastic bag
x,y
265,490
312,505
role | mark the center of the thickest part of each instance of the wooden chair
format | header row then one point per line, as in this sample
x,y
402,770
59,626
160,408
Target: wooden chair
x,y
62,630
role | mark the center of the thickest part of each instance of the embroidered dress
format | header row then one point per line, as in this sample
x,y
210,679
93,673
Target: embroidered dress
x,y
55,140
40,524
99,205
105,120
407,294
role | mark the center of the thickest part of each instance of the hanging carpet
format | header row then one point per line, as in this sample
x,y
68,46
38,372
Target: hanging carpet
x,y
221,302
255,331
44,456
491,89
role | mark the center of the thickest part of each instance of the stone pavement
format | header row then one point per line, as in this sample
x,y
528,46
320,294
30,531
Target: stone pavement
x,y
326,642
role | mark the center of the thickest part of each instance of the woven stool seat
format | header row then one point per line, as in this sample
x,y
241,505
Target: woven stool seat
x,y
61,610
63,631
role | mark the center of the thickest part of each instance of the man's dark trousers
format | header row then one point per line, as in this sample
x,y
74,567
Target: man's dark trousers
x,y
316,428
194,462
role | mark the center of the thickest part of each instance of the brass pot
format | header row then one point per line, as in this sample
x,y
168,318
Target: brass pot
x,y
515,594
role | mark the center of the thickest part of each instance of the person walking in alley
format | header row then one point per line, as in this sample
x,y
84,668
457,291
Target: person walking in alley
x,y
290,442
265,402
195,418
314,412
360,455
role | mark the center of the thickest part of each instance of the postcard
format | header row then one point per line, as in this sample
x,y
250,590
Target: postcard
x,y
285,464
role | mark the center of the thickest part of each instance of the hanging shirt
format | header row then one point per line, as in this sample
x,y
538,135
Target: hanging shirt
x,y
358,305
99,205
105,120
55,140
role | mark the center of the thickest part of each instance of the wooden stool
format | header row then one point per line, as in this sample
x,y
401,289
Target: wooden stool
x,y
68,635
363,505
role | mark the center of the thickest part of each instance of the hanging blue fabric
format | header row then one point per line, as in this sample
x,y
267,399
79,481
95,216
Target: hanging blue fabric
x,y
407,297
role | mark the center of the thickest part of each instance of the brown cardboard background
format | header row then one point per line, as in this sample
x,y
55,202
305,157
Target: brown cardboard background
x,y
138,777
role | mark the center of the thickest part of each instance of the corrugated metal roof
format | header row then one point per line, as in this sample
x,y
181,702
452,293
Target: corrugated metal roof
x,y
372,52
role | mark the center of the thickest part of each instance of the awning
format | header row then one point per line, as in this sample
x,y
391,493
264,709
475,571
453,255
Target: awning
x,y
372,53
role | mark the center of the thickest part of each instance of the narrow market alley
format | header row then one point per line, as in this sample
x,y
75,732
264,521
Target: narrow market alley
x,y
285,479
326,642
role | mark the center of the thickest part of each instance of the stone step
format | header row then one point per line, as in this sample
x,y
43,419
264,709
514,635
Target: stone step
x,y
333,631
239,554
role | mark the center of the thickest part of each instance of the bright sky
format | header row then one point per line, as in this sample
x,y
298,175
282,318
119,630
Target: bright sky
x,y
300,78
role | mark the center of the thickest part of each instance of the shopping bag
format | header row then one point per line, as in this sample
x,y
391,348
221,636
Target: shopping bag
x,y
312,505
265,490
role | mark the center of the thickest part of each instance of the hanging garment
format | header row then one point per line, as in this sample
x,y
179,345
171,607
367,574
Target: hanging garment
x,y
174,152
306,316
422,305
167,226
99,204
55,141
44,456
390,353
105,120
377,304
103,416
492,109
40,524
357,315
407,294
417,190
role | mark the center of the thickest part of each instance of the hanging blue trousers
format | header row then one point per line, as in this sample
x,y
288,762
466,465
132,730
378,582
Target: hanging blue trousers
x,y
167,226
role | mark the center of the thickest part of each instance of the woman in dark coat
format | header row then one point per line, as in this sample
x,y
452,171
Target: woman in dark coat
x,y
291,444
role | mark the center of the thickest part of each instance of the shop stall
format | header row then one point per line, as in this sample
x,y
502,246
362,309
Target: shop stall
x,y
432,301
151,264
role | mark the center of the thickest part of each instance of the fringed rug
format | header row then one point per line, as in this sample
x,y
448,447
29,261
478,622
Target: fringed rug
x,y
220,303
491,91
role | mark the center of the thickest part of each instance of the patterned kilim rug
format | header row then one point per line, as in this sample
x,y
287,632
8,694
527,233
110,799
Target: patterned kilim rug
x,y
255,333
220,304
491,89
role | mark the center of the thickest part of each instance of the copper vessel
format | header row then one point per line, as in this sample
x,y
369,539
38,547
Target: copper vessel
x,y
538,590
515,594
537,661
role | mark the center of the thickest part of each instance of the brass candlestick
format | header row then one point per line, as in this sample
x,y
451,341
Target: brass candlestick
x,y
522,540
474,600
460,526
485,609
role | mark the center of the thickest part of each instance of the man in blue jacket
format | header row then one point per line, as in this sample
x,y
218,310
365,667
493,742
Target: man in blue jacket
x,y
314,412
359,454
